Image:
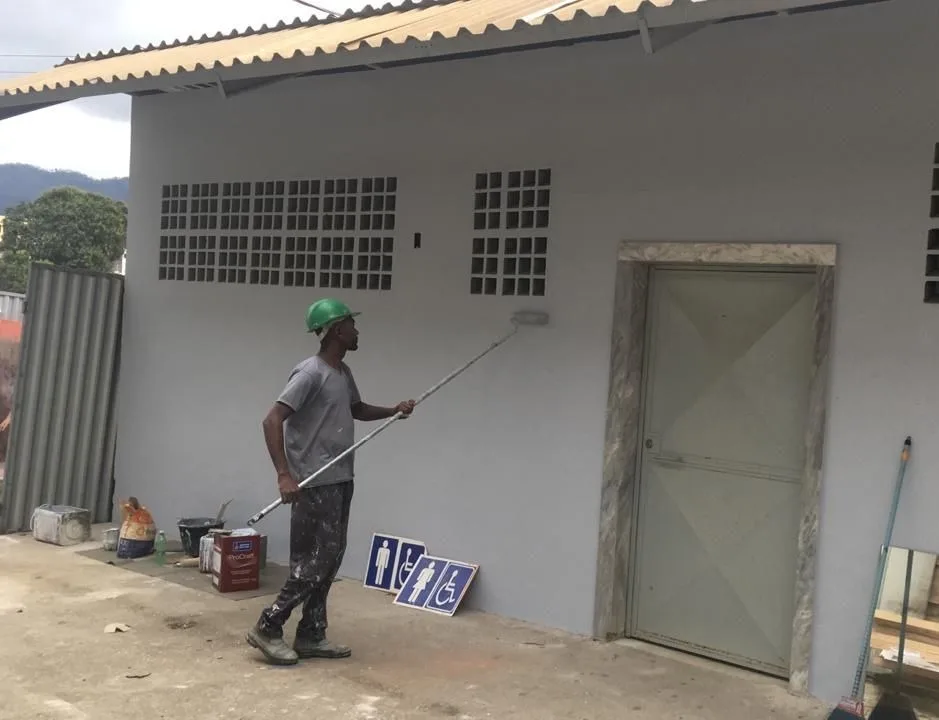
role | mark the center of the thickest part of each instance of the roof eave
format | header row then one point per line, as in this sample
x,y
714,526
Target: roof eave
x,y
549,33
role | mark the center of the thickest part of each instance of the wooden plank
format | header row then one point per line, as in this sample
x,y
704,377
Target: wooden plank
x,y
887,641
912,676
923,630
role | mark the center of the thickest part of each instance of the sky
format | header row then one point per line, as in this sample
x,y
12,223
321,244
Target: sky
x,y
93,136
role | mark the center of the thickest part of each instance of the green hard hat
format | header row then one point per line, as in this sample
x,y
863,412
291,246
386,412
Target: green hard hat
x,y
323,313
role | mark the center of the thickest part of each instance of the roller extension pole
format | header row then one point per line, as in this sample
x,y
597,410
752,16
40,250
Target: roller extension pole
x,y
518,319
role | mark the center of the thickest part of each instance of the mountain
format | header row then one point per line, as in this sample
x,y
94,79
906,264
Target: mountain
x,y
24,183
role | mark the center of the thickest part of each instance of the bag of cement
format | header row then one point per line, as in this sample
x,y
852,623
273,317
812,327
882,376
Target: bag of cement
x,y
138,531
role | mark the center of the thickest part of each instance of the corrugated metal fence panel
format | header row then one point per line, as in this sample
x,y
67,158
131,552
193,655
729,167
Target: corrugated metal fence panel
x,y
11,306
61,447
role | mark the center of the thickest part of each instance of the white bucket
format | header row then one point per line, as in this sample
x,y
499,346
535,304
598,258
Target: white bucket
x,y
206,544
109,539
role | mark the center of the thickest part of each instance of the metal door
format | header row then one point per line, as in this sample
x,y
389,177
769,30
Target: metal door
x,y
726,399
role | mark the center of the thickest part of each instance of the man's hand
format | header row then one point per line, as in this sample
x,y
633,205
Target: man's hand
x,y
368,413
405,408
289,488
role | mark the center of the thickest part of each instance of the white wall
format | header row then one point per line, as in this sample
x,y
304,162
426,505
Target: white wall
x,y
891,595
809,128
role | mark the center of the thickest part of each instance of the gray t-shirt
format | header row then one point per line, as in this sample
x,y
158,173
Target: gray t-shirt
x,y
321,425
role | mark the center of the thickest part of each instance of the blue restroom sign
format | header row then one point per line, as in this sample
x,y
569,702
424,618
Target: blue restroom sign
x,y
390,560
437,585
409,552
450,589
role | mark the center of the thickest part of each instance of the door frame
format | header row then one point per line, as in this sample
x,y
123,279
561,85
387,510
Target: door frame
x,y
619,493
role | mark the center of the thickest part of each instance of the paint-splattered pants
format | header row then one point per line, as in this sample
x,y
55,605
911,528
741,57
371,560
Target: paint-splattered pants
x,y
319,522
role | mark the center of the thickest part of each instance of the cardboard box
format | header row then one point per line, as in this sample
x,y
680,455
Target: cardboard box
x,y
236,563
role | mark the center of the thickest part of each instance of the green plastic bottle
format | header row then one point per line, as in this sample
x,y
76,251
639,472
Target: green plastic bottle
x,y
159,546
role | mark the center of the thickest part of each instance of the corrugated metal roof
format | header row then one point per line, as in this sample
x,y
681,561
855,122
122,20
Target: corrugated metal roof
x,y
389,25
410,23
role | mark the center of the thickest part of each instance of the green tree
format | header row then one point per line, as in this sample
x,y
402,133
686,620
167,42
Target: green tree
x,y
66,227
14,271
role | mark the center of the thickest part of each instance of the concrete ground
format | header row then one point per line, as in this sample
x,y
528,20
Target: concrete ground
x,y
184,655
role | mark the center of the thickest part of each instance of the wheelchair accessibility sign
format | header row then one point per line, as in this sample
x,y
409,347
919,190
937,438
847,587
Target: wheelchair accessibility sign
x,y
390,560
437,585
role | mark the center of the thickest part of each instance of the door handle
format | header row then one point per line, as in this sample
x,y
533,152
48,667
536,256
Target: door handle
x,y
669,459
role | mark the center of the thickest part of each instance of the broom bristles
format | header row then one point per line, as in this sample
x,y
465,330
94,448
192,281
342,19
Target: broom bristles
x,y
893,705
848,709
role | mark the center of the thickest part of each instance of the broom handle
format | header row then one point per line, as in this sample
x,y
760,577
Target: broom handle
x,y
906,613
879,578
254,519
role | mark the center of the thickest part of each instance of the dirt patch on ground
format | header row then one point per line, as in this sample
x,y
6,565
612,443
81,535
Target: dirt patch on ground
x,y
179,623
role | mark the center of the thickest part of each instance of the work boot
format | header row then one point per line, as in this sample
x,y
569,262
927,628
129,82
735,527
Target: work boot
x,y
312,647
273,646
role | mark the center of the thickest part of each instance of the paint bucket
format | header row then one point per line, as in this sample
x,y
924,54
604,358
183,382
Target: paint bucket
x,y
235,563
206,548
192,530
109,539
263,553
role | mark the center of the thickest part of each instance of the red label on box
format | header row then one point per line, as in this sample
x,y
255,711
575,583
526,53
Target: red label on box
x,y
236,562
